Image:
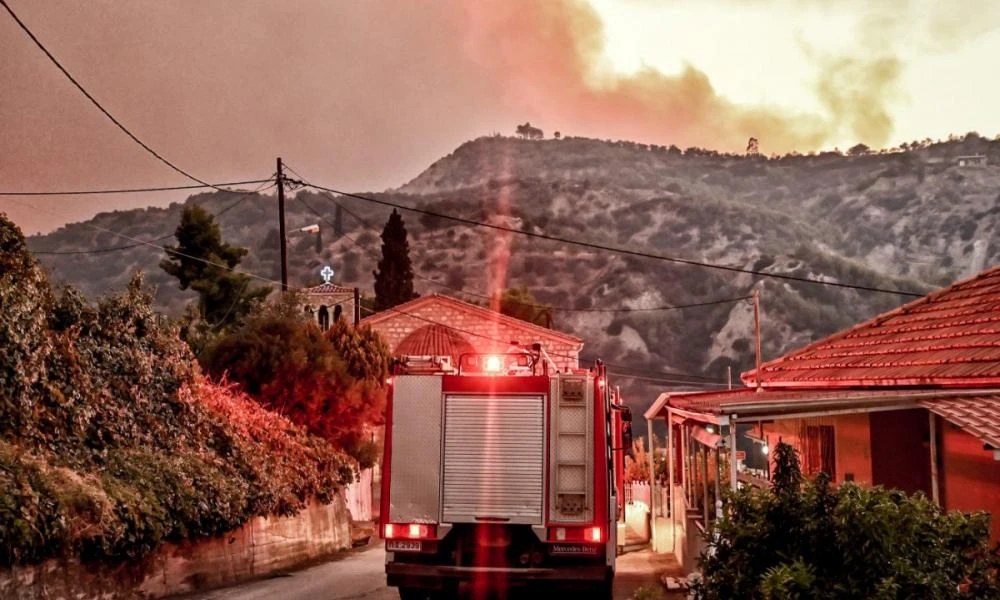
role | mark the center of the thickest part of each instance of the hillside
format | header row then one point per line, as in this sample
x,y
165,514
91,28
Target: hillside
x,y
902,220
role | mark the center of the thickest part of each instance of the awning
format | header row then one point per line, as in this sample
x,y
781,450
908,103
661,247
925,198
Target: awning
x,y
977,415
703,436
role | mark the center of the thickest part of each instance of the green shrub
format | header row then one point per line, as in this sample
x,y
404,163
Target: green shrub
x,y
805,539
112,440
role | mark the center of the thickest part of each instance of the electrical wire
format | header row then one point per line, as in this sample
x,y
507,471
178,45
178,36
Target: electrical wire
x,y
606,248
216,186
239,201
94,101
139,242
665,377
481,295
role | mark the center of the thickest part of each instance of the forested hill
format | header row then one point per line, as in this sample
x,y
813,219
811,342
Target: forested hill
x,y
907,220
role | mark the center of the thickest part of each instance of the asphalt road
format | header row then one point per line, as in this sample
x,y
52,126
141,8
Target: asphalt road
x,y
361,575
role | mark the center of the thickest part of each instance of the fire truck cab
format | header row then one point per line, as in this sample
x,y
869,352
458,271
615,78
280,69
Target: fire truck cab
x,y
501,472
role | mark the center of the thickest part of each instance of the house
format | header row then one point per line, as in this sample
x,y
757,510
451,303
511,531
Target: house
x,y
442,325
908,400
976,160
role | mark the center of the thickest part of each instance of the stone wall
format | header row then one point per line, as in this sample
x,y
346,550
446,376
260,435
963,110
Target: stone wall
x,y
261,547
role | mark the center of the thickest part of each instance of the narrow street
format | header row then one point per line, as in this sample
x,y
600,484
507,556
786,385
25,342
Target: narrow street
x,y
360,575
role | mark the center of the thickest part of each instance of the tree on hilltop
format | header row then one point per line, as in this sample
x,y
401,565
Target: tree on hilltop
x,y
203,262
394,276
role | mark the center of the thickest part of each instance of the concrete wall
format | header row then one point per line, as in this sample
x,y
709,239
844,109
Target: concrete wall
x,y
970,477
261,547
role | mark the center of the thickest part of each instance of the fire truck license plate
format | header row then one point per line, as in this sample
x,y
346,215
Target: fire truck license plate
x,y
402,546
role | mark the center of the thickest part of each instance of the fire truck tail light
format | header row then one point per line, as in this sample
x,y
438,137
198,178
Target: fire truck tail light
x,y
594,534
588,535
493,364
412,531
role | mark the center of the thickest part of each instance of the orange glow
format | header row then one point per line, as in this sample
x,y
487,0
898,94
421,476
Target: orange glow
x,y
388,380
493,364
389,531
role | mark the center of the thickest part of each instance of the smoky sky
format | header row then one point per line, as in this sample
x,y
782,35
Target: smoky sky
x,y
360,95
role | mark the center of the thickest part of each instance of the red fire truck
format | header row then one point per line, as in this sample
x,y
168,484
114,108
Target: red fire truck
x,y
501,471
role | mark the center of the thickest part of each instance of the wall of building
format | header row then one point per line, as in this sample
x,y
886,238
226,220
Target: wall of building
x,y
852,435
970,477
262,546
476,330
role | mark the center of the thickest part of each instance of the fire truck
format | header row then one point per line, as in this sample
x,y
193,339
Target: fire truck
x,y
501,472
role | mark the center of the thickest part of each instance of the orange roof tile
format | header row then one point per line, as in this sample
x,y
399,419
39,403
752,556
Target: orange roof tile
x,y
948,338
978,415
478,311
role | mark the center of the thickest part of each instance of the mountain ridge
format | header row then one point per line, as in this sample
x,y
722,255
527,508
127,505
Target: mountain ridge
x,y
902,220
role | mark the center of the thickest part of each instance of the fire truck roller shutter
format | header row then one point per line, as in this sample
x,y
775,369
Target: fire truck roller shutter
x,y
414,495
494,459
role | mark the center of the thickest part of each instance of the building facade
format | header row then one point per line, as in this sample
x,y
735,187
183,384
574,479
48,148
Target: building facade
x,y
441,325
909,400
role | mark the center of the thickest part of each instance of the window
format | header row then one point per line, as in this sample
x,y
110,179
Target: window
x,y
820,450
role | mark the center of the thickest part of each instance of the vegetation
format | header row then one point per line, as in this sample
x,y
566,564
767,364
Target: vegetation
x,y
394,277
203,262
637,464
805,539
329,383
892,219
518,302
112,442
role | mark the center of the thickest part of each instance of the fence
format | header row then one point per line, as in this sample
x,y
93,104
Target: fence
x,y
637,491
358,495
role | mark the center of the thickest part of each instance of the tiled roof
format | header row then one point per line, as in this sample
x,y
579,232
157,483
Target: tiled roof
x,y
977,415
745,401
408,308
976,412
328,288
434,340
948,338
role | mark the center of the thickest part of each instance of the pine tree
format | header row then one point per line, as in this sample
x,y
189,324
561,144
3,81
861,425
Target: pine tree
x,y
204,263
394,277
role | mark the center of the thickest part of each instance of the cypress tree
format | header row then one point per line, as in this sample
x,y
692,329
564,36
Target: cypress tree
x,y
394,276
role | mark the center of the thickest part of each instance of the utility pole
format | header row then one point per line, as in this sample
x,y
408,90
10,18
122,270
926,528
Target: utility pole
x,y
756,332
279,180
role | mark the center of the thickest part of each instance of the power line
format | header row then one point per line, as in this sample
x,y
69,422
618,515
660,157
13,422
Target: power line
x,y
139,242
239,201
664,377
216,186
596,246
94,100
488,297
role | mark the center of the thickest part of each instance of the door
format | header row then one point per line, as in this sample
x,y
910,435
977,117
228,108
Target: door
x,y
901,455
